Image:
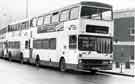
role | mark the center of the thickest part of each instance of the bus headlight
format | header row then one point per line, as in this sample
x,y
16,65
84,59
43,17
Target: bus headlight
x,y
110,62
111,56
79,61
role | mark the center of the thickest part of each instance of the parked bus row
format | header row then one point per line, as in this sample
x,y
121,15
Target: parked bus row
x,y
77,37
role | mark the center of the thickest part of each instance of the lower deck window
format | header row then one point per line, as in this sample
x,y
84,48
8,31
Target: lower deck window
x,y
52,43
45,43
14,44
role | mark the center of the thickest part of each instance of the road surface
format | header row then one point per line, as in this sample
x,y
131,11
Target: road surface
x,y
15,73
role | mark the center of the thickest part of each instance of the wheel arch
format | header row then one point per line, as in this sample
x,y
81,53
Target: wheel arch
x,y
62,57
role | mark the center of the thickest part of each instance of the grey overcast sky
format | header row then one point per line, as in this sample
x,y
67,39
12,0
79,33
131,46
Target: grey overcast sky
x,y
11,10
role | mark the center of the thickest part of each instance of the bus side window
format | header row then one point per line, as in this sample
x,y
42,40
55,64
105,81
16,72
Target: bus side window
x,y
72,41
74,13
64,15
52,43
47,19
40,20
55,18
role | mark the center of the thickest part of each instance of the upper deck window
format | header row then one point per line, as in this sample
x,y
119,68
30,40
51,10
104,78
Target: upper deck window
x,y
74,14
33,22
40,21
55,17
47,19
4,30
64,15
96,13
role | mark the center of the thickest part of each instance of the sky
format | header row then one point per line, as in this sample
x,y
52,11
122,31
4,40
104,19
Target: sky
x,y
12,10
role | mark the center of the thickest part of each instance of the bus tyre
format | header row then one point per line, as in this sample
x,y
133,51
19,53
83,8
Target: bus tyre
x,y
93,72
21,58
9,56
62,65
2,54
37,61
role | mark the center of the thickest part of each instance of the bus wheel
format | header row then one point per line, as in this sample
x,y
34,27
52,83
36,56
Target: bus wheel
x,y
93,72
2,54
37,61
21,58
62,65
9,56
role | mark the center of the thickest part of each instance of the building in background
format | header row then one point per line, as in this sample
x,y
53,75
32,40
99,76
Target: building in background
x,y
124,38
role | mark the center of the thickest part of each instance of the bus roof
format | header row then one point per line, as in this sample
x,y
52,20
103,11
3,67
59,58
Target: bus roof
x,y
85,3
95,4
21,21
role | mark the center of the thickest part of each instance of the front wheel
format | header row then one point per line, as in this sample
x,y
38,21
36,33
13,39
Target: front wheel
x,y
37,61
93,71
21,58
62,65
9,56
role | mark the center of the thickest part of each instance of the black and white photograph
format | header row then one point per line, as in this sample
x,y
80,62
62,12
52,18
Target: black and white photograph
x,y
67,41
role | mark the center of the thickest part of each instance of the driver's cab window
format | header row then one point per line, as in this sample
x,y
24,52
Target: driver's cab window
x,y
72,42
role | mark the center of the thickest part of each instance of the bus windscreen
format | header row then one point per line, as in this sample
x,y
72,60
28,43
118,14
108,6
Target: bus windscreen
x,y
96,13
94,43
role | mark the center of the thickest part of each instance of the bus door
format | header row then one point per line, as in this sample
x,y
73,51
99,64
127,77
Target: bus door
x,y
6,48
72,48
26,51
30,48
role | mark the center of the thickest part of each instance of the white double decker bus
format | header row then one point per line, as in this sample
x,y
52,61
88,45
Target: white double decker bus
x,y
75,37
3,32
17,40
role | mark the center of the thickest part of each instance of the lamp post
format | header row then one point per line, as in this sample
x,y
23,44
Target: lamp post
x,y
27,9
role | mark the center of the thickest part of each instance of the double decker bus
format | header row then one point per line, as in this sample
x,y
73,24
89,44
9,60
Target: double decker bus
x,y
76,37
18,40
3,32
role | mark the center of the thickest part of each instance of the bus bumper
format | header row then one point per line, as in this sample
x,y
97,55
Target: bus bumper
x,y
95,67
95,64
